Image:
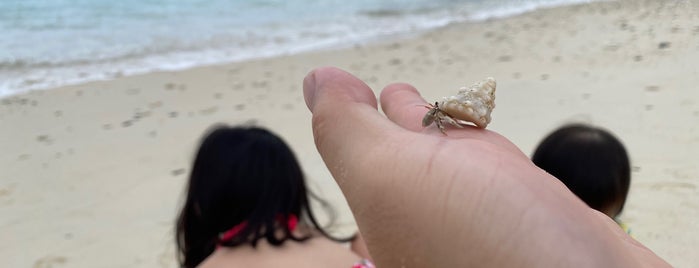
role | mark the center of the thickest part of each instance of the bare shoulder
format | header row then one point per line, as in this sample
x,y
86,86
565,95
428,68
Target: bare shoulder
x,y
316,252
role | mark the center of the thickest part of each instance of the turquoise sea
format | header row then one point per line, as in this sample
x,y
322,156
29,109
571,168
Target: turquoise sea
x,y
48,43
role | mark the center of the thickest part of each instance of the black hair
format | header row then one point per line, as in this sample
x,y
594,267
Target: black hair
x,y
242,175
590,161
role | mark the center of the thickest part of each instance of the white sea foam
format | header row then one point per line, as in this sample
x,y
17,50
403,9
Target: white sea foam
x,y
50,43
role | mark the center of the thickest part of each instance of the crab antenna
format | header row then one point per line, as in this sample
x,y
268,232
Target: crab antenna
x,y
428,106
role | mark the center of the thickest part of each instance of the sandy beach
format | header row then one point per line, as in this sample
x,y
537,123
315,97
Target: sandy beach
x,y
93,174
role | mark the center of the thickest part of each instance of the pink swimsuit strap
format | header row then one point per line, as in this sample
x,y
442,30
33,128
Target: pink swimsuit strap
x,y
226,236
364,263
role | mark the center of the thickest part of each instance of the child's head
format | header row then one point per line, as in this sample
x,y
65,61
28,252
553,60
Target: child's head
x,y
591,162
240,175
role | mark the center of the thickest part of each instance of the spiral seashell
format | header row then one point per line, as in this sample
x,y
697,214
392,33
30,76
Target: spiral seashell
x,y
473,104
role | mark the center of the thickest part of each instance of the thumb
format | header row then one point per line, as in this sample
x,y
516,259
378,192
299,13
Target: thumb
x,y
330,84
346,123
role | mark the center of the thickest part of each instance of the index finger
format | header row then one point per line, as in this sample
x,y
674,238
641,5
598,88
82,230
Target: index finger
x,y
403,105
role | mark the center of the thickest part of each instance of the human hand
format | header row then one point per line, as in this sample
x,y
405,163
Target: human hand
x,y
472,198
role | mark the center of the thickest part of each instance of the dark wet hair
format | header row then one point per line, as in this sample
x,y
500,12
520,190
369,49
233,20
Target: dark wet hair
x,y
590,161
242,174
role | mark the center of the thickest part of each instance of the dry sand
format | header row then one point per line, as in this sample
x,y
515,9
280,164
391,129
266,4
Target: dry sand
x,y
92,174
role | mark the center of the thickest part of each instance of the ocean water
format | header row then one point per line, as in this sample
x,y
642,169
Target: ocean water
x,y
48,43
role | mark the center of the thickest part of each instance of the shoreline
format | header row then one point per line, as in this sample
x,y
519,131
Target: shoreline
x,y
79,74
101,165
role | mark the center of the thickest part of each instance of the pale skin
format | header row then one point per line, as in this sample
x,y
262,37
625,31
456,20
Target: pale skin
x,y
467,199
317,252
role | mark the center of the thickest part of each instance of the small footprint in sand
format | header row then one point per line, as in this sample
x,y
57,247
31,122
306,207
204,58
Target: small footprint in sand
x,y
505,58
156,104
238,86
393,46
177,172
612,47
652,88
663,45
680,185
169,86
259,84
50,262
394,61
208,111
5,192
43,138
143,114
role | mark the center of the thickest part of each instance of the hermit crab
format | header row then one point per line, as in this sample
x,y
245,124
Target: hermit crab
x,y
471,104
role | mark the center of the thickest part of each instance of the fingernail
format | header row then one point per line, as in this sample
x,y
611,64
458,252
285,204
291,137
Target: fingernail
x,y
309,89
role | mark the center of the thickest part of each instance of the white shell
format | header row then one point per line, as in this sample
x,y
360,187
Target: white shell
x,y
473,104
